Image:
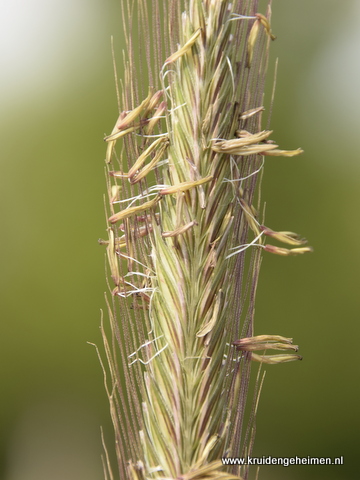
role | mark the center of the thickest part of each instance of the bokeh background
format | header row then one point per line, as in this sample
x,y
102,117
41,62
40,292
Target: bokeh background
x,y
57,102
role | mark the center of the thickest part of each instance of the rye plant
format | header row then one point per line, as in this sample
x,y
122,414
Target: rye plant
x,y
186,237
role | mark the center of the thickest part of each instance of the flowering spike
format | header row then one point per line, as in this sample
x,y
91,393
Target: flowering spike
x,y
185,249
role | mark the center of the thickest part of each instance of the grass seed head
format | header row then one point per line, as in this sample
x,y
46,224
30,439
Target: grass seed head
x,y
185,239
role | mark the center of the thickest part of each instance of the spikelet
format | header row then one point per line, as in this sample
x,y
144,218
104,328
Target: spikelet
x,y
185,239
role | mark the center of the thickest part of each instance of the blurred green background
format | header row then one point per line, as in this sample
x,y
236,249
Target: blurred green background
x,y
57,101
